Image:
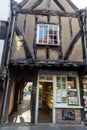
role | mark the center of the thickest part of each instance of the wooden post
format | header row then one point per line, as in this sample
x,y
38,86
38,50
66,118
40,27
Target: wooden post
x,y
70,26
60,38
35,38
33,99
82,15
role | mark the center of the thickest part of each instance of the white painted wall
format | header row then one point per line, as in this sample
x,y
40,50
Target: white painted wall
x,y
1,50
4,10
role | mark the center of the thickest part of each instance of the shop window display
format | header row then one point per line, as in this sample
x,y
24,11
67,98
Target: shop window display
x,y
66,91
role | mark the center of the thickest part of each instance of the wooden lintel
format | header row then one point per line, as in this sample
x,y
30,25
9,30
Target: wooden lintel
x,y
59,5
48,12
70,48
43,22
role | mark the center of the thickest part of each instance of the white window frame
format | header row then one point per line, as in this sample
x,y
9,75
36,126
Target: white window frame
x,y
48,25
63,105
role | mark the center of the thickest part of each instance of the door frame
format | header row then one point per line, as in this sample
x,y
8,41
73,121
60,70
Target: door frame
x,y
37,100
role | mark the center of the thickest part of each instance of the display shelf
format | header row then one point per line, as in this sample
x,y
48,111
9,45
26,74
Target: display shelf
x,y
49,101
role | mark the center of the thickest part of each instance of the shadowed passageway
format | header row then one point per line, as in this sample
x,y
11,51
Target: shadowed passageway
x,y
23,115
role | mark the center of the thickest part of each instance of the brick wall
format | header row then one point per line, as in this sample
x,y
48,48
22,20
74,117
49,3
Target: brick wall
x,y
59,119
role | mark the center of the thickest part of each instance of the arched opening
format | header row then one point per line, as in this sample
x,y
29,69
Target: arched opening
x,y
21,112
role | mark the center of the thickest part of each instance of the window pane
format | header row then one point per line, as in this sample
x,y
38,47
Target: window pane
x,y
66,91
48,34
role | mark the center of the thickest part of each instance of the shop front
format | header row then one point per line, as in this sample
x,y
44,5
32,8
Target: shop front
x,y
85,97
58,99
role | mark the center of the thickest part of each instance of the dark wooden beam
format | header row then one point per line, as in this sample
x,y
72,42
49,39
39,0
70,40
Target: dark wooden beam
x,y
59,5
24,26
60,38
24,2
26,48
35,37
82,18
48,4
36,4
44,22
72,5
71,46
70,27
48,12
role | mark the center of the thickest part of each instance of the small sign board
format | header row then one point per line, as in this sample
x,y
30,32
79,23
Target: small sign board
x,y
68,115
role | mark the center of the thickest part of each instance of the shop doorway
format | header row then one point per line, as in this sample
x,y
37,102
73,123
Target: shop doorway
x,y
23,113
45,103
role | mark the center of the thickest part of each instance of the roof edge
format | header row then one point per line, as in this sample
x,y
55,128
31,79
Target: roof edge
x,y
73,5
23,2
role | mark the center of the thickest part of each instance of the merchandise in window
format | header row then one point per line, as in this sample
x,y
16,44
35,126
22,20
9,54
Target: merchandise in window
x,y
85,93
3,30
66,91
48,34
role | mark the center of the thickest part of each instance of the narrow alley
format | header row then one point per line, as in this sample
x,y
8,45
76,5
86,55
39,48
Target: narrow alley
x,y
23,114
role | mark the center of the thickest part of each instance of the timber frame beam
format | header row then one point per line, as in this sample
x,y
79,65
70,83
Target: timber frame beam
x,y
70,48
59,5
47,12
36,4
27,51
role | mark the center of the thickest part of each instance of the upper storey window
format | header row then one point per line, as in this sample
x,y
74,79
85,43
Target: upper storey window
x,y
3,30
48,34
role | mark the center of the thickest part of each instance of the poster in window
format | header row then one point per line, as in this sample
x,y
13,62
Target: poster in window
x,y
58,99
63,99
73,101
72,93
64,93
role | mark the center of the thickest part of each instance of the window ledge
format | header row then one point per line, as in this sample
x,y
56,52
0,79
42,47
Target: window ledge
x,y
47,44
77,107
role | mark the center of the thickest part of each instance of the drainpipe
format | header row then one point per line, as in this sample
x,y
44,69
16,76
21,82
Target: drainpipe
x,y
8,77
84,40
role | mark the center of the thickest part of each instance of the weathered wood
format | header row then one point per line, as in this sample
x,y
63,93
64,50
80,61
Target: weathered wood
x,y
35,38
60,37
42,63
42,22
71,46
72,5
48,12
48,19
70,27
21,4
36,4
48,4
59,5
24,26
82,17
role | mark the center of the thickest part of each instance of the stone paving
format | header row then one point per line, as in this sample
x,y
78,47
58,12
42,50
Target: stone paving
x,y
23,114
43,127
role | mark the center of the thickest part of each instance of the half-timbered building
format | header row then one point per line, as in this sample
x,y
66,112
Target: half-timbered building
x,y
49,50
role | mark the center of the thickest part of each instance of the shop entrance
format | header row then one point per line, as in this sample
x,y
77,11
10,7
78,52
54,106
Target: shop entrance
x,y
45,104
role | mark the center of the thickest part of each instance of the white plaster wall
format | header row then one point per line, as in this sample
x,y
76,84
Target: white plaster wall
x,y
4,10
